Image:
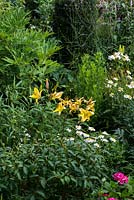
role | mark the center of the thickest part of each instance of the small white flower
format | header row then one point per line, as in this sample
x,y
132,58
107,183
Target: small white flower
x,y
105,133
117,55
97,145
79,132
78,127
32,26
115,84
128,72
110,82
27,135
108,86
120,89
70,139
69,130
112,57
103,179
82,134
129,77
89,140
115,79
101,136
127,96
85,135
104,140
111,94
91,128
126,58
112,139
131,85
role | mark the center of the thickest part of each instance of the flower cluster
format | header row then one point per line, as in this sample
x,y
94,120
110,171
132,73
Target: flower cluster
x,y
119,55
120,178
84,108
95,139
121,86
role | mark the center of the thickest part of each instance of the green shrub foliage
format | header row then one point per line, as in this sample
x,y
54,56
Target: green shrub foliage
x,y
50,156
44,157
25,53
91,78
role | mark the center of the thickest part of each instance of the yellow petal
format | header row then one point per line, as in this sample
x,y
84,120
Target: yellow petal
x,y
60,108
36,94
56,95
85,114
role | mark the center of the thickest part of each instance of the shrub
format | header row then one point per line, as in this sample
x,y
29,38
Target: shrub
x,y
26,54
91,78
45,156
74,24
41,13
120,187
115,25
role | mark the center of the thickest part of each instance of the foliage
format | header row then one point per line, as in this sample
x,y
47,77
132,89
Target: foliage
x,y
43,154
83,108
119,92
119,62
91,78
46,152
90,26
118,190
115,25
25,53
118,105
74,25
41,13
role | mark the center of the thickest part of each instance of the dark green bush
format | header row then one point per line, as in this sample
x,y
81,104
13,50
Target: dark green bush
x,y
42,159
74,24
41,13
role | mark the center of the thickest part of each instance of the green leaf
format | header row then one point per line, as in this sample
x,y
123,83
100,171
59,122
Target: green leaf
x,y
43,182
41,193
25,170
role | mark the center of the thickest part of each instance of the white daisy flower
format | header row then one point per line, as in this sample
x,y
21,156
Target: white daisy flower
x,y
127,96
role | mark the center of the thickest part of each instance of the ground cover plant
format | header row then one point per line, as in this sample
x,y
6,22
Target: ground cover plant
x,y
66,102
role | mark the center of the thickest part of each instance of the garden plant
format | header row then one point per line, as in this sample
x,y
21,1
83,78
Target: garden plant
x,y
66,100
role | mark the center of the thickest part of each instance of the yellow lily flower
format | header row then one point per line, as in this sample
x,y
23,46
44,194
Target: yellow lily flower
x,y
65,102
90,105
36,94
56,95
85,114
79,101
60,108
73,106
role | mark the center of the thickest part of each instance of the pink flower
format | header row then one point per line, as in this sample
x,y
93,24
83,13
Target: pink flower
x,y
120,177
123,180
111,198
